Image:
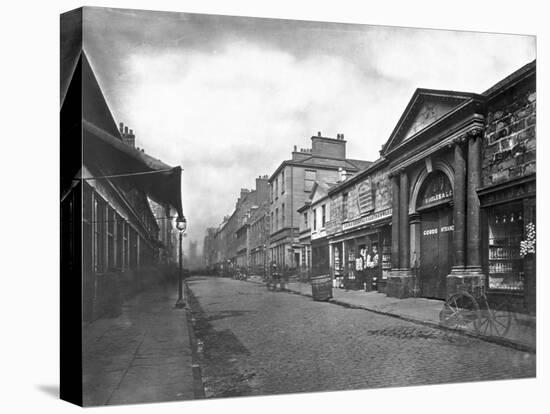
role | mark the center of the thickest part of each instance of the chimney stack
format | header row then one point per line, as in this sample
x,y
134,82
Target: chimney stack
x,y
328,147
128,136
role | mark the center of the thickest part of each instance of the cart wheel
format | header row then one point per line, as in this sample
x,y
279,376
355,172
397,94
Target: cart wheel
x,y
459,311
494,321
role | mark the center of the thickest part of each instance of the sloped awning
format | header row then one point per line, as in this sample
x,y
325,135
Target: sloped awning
x,y
159,181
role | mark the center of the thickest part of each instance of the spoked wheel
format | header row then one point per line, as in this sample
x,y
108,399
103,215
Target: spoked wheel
x,y
494,321
460,311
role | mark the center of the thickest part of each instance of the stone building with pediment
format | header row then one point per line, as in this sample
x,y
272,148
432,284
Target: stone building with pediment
x,y
450,203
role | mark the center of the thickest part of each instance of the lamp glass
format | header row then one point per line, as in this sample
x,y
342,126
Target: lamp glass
x,y
181,224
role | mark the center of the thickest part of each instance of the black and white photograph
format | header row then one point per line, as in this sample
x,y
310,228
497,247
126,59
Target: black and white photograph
x,y
273,207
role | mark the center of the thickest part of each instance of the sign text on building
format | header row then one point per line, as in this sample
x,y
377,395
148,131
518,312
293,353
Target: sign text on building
x,y
367,219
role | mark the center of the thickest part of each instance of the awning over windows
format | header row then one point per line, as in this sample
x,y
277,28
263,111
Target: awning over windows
x,y
158,180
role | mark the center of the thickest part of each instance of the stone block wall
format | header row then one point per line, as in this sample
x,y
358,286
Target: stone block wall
x,y
509,147
382,195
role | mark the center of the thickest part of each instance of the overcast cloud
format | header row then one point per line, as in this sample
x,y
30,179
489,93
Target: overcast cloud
x,y
227,98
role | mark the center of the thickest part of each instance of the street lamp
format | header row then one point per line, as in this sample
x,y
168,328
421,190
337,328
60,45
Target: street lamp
x,y
181,225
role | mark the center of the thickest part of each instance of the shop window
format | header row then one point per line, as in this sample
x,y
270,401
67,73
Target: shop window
x,y
506,226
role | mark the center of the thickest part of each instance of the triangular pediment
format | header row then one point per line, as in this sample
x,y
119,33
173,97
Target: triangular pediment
x,y
425,108
319,191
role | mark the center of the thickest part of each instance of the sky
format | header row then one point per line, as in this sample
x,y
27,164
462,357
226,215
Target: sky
x,y
227,98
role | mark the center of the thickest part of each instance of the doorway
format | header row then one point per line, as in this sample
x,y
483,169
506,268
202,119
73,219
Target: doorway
x,y
436,255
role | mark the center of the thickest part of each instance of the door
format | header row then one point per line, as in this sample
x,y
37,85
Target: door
x,y
436,252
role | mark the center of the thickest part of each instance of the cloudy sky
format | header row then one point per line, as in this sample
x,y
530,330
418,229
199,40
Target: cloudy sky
x,y
227,98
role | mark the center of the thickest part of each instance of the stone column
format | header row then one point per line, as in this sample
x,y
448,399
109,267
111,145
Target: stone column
x,y
459,205
404,247
473,225
395,222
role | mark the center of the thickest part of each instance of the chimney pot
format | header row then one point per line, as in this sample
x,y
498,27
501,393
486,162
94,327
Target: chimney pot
x,y
318,133
131,132
295,148
121,126
342,136
126,130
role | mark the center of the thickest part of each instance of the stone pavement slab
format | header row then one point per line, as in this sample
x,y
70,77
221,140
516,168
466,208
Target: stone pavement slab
x,y
143,355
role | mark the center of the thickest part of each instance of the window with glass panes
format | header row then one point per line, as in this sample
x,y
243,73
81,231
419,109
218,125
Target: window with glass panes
x,y
310,176
119,242
99,234
506,225
314,219
110,238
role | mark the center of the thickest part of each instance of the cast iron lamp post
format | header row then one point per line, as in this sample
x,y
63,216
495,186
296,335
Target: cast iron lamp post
x,y
181,225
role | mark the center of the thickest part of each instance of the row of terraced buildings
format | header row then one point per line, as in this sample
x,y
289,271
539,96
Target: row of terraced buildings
x,y
449,204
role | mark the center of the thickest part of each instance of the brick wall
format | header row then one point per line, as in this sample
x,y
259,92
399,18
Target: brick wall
x,y
509,147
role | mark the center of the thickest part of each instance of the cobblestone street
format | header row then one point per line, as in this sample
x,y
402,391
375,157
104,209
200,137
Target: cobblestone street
x,y
253,341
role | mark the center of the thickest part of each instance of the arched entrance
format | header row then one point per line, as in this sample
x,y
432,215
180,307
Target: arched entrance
x,y
436,234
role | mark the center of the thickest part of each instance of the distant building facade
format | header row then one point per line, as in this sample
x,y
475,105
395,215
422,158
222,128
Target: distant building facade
x,y
232,238
290,187
209,249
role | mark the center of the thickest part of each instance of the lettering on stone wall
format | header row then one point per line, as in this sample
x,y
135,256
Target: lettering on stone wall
x,y
437,188
368,219
435,230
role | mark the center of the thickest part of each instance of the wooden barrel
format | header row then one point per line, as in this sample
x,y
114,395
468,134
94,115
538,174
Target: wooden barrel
x,y
321,287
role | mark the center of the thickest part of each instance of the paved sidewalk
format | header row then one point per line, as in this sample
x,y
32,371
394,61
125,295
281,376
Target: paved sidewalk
x,y
522,333
144,355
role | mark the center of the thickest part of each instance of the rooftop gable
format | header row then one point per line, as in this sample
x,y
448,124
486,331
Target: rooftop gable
x,y
426,107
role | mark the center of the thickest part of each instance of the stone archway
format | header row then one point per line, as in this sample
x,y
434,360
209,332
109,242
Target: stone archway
x,y
415,190
432,229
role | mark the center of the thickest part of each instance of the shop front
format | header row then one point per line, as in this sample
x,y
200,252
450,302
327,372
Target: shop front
x,y
362,253
509,219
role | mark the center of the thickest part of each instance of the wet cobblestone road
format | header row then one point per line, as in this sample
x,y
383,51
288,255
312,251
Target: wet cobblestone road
x,y
253,341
